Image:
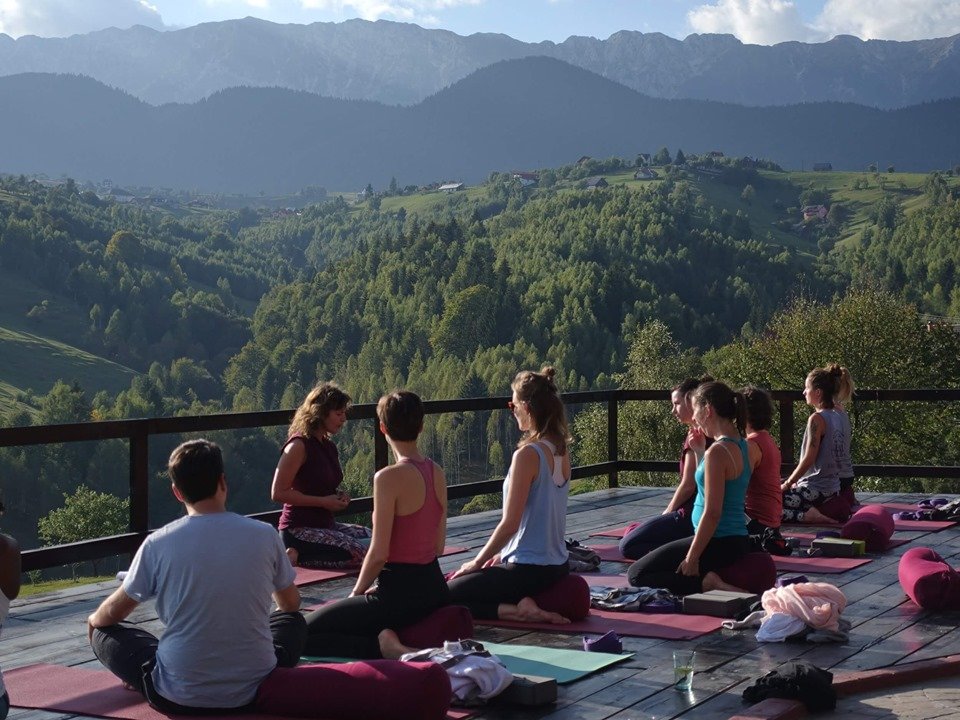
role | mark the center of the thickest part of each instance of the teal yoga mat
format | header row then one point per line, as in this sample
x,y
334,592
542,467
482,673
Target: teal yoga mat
x,y
564,666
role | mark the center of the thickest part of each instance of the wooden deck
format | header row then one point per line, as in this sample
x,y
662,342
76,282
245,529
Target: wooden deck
x,y
887,629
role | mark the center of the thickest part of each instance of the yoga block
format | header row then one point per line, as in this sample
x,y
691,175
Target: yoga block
x,y
718,603
839,547
530,690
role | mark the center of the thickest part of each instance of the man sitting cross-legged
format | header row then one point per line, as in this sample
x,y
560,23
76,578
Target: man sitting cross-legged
x,y
213,574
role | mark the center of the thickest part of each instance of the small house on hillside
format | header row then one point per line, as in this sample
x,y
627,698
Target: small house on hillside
x,y
596,182
526,178
822,167
645,173
716,154
450,187
814,212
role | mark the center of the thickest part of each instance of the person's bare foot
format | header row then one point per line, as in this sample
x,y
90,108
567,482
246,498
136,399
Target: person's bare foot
x,y
712,581
293,555
390,646
128,686
527,610
814,516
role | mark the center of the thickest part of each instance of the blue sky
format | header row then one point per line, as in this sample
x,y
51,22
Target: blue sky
x,y
753,21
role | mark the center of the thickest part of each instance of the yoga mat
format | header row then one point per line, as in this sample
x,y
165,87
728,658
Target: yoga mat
x,y
98,693
664,626
609,553
79,691
564,666
310,576
807,538
611,532
826,565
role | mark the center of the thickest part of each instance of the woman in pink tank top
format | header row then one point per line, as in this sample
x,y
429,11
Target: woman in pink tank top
x,y
409,531
764,504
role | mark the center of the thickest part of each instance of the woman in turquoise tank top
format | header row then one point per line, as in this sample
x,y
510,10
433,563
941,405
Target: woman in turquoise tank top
x,y
691,565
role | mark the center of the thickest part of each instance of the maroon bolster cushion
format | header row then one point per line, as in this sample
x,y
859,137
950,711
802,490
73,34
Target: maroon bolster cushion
x,y
569,596
369,690
928,580
754,572
836,508
452,622
872,524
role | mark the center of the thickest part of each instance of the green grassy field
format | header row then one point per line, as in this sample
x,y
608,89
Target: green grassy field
x,y
38,352
429,202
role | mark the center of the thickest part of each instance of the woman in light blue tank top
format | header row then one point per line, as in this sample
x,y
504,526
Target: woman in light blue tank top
x,y
691,565
526,553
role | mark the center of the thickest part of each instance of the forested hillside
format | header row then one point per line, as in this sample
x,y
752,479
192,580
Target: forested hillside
x,y
243,311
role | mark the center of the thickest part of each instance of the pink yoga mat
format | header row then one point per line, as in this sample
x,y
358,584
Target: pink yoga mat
x,y
825,565
310,576
611,532
631,624
80,691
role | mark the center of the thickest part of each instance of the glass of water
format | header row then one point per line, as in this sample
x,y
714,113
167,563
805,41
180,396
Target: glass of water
x,y
683,669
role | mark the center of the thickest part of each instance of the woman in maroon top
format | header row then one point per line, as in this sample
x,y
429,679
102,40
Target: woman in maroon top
x,y
307,481
764,503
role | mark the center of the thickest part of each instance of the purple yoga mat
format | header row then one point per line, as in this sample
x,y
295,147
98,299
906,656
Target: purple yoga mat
x,y
611,532
98,693
87,692
825,565
631,624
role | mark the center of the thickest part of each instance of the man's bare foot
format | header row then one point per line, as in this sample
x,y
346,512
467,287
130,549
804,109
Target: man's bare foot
x,y
814,516
128,686
390,646
293,555
712,581
527,610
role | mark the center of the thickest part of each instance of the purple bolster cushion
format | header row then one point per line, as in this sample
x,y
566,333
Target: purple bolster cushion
x,y
754,572
570,597
872,524
928,580
836,508
452,622
369,690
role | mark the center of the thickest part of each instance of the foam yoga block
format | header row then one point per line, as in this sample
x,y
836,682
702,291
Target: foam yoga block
x,y
872,524
754,572
570,597
371,690
928,580
452,622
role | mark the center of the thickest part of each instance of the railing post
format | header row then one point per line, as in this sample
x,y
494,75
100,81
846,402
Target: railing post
x,y
379,447
786,430
139,478
613,451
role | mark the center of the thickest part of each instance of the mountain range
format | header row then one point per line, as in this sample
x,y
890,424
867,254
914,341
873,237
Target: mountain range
x,y
518,114
399,63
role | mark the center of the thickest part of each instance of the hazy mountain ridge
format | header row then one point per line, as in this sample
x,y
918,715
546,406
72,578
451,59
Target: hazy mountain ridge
x,y
398,63
529,113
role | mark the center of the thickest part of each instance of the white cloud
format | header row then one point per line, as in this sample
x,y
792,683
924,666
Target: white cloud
x,y
766,22
890,19
408,10
60,18
761,22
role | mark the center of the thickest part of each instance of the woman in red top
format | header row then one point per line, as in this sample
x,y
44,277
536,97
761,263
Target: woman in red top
x,y
307,482
764,503
409,530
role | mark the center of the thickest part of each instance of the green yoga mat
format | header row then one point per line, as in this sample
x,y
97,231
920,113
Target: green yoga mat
x,y
564,666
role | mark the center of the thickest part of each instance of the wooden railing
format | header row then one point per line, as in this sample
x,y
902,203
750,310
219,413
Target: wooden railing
x,y
138,433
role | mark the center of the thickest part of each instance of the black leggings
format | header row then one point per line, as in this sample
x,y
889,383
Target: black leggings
x,y
658,568
405,594
509,583
130,653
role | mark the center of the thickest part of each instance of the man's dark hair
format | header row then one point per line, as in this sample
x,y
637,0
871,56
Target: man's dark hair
x,y
195,467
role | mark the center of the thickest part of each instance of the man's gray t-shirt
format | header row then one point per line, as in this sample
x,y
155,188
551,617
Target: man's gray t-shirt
x,y
212,576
